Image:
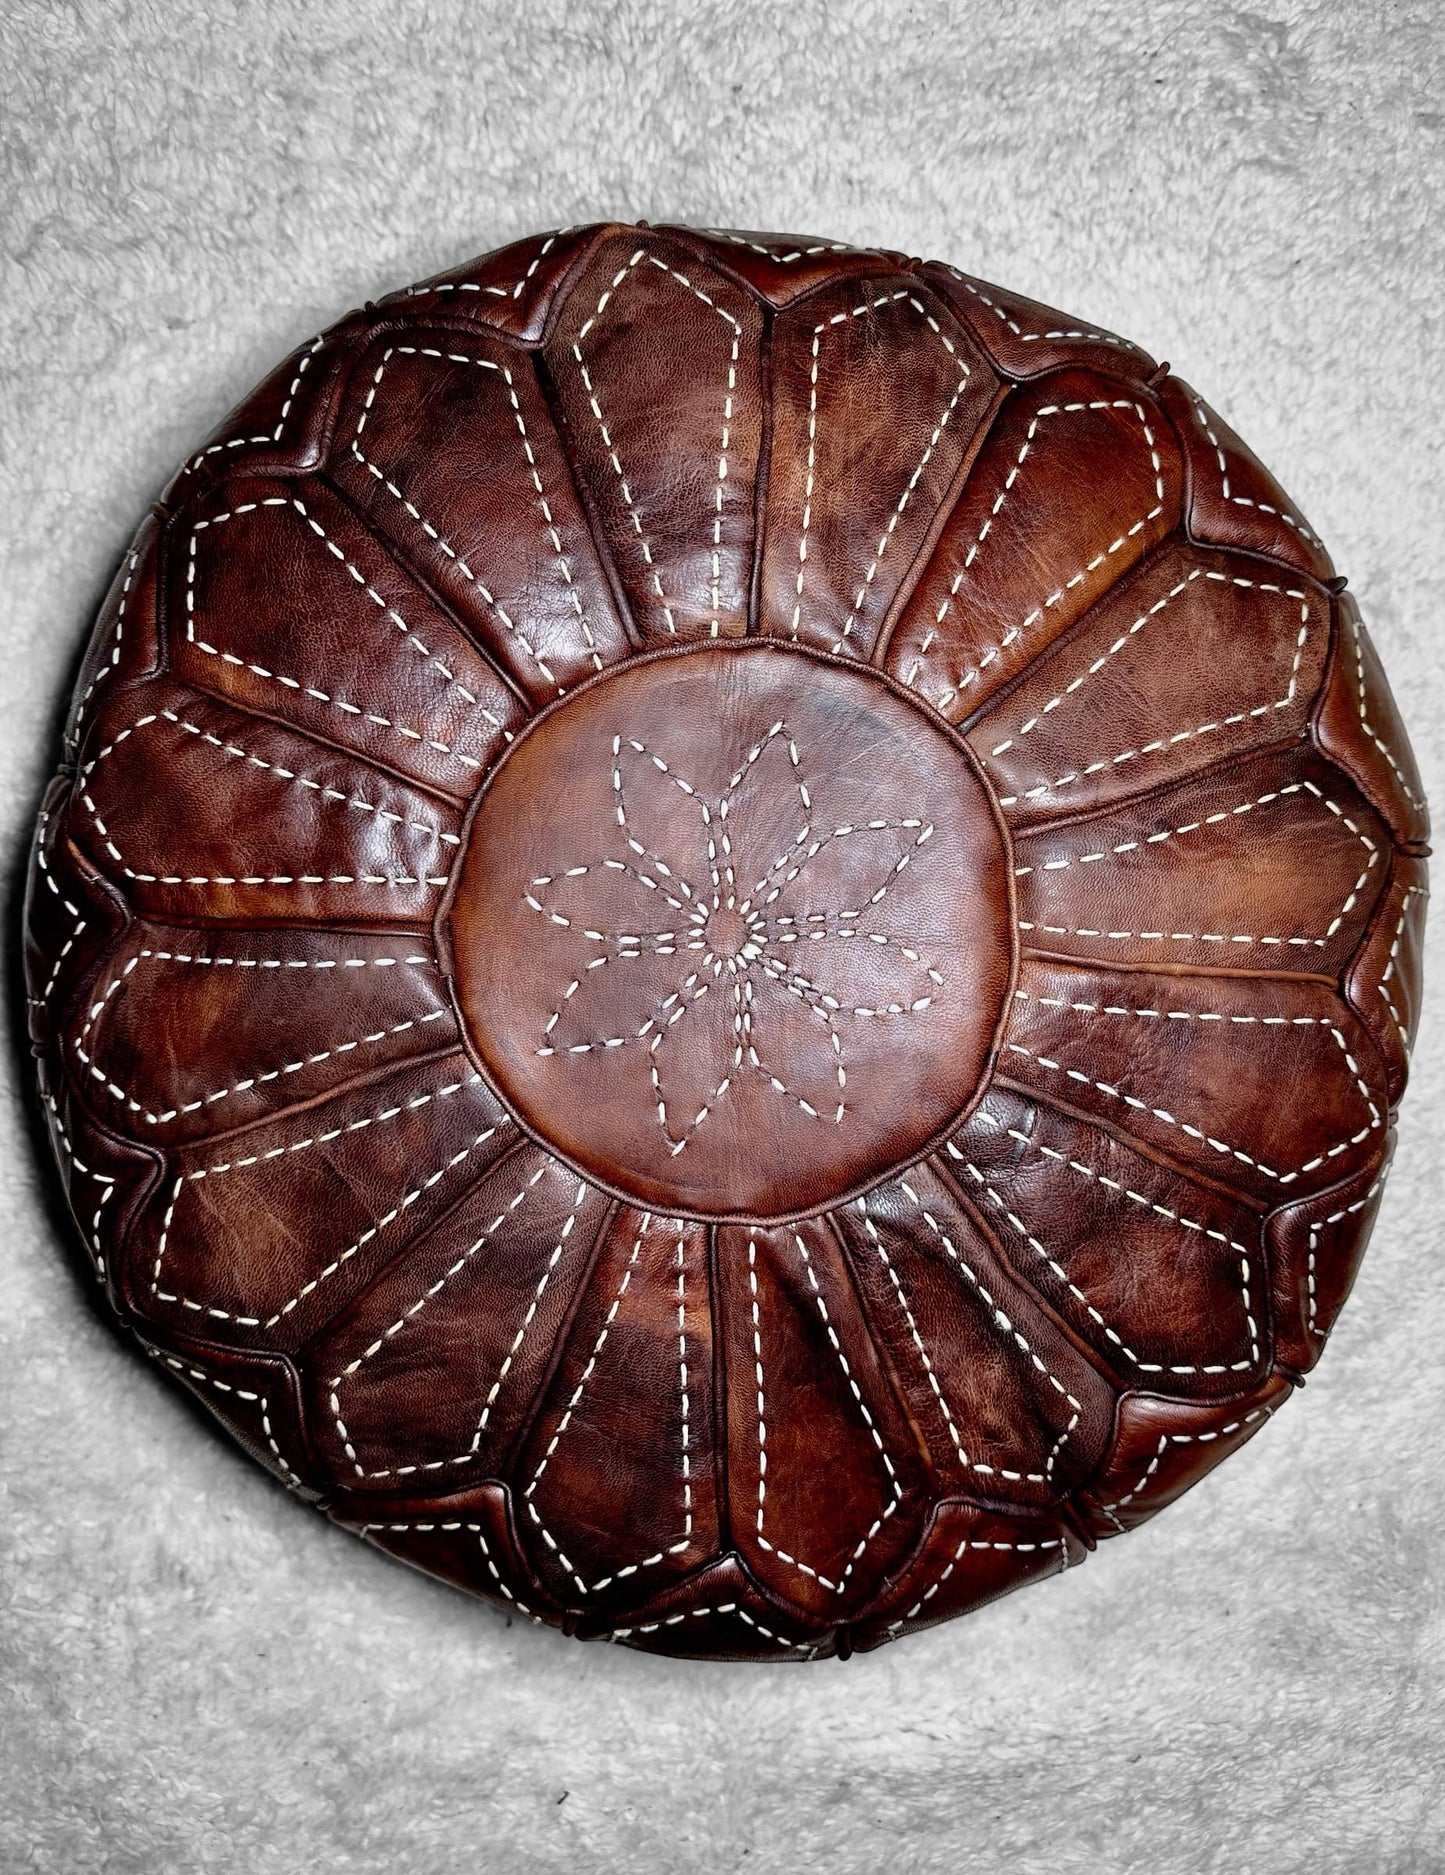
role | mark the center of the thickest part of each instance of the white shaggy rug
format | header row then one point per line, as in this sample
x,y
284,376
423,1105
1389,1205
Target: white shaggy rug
x,y
195,1673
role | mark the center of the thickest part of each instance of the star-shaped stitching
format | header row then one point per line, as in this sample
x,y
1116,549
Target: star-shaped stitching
x,y
718,990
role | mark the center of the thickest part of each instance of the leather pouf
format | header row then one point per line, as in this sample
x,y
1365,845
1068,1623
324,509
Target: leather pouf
x,y
729,936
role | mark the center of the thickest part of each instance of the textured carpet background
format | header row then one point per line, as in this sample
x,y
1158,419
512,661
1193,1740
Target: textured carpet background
x,y
195,1673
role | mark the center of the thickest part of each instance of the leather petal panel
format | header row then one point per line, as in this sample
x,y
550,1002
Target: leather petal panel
x,y
616,1490
1077,481
862,455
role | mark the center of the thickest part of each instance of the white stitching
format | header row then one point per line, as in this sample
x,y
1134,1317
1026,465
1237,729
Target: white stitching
x,y
1001,1321
387,1114
1243,501
1219,1145
310,690
1193,826
1102,338
783,260
1176,736
908,1316
883,299
723,1608
972,674
466,1457
1365,724
1185,1438
762,931
273,436
42,865
387,1219
1413,892
130,565
842,1359
241,1393
978,1544
472,1529
674,1549
1146,1203
1348,1210
584,624
259,1079
498,292
332,796
102,1179
622,274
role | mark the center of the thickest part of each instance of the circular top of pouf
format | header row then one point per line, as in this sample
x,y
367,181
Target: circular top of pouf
x,y
728,937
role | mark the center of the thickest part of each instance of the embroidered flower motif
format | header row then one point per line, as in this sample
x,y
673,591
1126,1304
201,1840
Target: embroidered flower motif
x,y
728,934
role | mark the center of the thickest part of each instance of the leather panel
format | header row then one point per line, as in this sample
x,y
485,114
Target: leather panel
x,y
1234,501
1359,727
1207,1073
654,341
862,456
1094,456
490,521
1156,1274
282,603
1194,660
641,1343
1162,1447
1274,864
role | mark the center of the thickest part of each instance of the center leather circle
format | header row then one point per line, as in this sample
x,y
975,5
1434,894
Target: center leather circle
x,y
732,929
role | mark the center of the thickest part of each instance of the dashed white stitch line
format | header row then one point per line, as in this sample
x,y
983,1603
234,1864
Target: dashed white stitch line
x,y
73,911
1349,1210
622,274
399,1111
84,1048
763,931
386,1220
841,318
1186,1438
436,1526
1415,891
1365,724
1146,1203
1193,826
911,484
973,673
433,533
1176,736
908,1316
584,624
498,292
974,1543
1028,338
332,796
116,639
408,1314
674,1549
1221,1146
103,1180
355,710
783,260
896,1497
1011,1332
272,436
1243,501
251,1397
688,1614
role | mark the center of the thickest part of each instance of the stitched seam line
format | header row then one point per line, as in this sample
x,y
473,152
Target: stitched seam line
x,y
1177,736
972,674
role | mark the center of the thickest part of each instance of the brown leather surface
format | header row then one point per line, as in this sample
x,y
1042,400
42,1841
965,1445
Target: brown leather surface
x,y
729,937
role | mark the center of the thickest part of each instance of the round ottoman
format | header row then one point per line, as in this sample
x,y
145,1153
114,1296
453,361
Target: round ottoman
x,y
729,936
